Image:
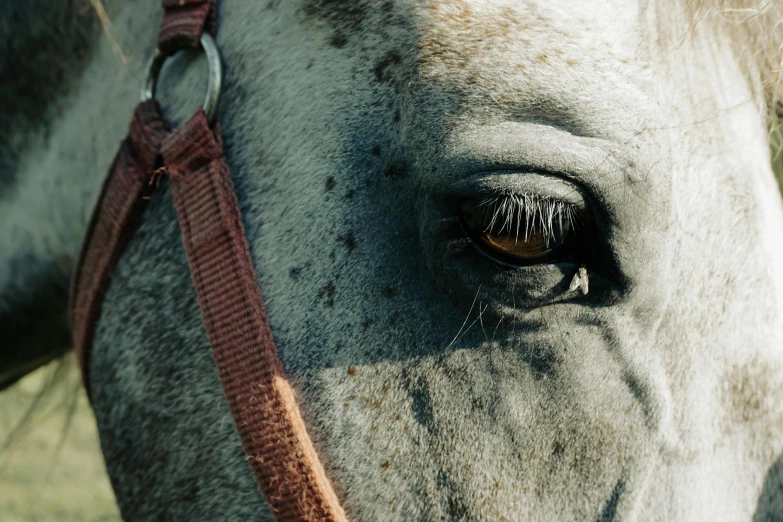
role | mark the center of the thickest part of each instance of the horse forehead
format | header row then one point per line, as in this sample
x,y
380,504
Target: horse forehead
x,y
475,26
498,56
482,25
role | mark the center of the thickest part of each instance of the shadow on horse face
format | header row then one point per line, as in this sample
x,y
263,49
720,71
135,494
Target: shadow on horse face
x,y
456,381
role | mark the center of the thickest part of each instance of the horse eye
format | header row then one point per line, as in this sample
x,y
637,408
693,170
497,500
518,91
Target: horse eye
x,y
519,230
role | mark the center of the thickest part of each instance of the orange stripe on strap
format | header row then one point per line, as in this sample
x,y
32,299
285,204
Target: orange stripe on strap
x,y
259,395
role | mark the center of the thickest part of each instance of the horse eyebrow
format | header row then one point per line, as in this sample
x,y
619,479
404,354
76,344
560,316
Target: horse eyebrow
x,y
343,14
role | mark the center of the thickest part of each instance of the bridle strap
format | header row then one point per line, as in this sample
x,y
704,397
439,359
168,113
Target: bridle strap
x,y
114,218
260,397
184,21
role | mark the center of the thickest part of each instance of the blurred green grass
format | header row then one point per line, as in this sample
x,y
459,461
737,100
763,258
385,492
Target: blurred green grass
x,y
51,468
776,144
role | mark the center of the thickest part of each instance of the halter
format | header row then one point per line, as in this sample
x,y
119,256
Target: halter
x,y
260,397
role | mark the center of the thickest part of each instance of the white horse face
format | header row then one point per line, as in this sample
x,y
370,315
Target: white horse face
x,y
444,368
441,383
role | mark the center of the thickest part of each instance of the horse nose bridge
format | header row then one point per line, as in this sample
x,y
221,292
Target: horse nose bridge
x,y
632,341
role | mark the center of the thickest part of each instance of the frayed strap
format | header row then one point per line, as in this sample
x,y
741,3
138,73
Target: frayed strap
x,y
183,23
120,204
261,399
259,395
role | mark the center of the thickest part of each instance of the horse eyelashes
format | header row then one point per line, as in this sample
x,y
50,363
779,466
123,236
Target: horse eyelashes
x,y
516,230
524,215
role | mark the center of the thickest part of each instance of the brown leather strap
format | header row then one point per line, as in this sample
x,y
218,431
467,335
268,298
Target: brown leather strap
x,y
261,400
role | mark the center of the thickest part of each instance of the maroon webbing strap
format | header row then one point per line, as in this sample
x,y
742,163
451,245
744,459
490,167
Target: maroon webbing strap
x,y
113,220
183,23
260,397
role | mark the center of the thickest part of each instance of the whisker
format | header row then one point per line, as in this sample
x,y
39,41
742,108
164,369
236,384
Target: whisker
x,y
466,319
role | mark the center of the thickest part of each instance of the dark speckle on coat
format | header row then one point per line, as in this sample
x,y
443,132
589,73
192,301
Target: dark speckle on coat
x,y
396,170
342,14
350,241
338,40
327,292
345,17
381,70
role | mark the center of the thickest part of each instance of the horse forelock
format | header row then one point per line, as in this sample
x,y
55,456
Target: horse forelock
x,y
755,29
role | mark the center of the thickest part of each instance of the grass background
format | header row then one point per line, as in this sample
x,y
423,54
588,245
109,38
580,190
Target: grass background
x,y
51,468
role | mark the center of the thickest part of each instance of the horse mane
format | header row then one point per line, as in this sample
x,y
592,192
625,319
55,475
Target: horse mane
x,y
755,28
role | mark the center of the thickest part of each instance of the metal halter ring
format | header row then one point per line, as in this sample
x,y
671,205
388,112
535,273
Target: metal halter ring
x,y
215,75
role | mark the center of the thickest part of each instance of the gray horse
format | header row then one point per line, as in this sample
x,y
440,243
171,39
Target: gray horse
x,y
421,183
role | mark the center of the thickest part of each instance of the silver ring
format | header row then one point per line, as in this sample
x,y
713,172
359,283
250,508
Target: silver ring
x,y
215,75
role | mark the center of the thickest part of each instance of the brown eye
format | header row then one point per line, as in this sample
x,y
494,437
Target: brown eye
x,y
519,230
